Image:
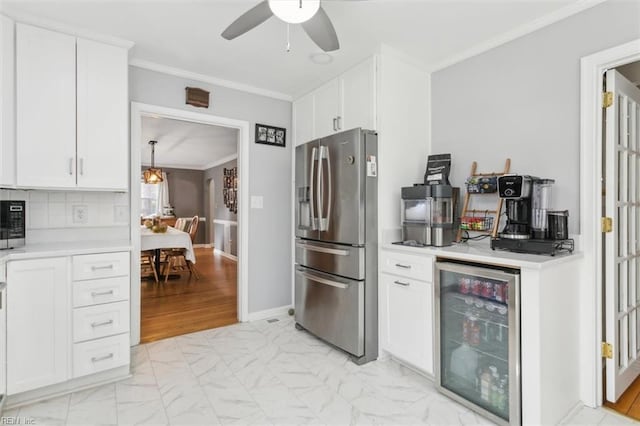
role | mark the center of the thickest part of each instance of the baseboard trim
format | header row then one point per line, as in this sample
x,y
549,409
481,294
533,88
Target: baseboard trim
x,y
224,254
268,313
203,246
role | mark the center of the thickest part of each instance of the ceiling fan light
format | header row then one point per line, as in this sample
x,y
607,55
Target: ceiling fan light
x,y
294,11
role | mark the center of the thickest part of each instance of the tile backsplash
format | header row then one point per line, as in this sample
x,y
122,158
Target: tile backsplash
x,y
73,215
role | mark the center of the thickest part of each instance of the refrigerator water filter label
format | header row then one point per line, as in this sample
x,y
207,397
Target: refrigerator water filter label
x,y
372,166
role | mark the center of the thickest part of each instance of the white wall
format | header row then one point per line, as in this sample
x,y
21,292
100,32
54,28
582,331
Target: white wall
x,y
522,100
269,228
50,215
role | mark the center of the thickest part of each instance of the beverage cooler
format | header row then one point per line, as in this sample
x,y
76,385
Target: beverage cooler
x,y
478,338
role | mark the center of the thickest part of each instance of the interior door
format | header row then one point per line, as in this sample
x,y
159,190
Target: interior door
x,y
622,245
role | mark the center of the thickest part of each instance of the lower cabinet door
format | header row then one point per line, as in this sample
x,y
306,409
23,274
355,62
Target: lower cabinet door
x,y
101,354
38,323
407,320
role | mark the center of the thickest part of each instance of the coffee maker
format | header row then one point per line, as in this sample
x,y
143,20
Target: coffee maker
x,y
528,208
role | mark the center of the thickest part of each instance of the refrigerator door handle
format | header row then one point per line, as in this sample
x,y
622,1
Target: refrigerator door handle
x,y
313,189
320,187
324,220
322,249
323,280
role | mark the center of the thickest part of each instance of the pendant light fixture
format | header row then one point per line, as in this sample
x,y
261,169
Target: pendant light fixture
x,y
153,175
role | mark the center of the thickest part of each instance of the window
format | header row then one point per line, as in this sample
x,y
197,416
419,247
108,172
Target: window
x,y
149,194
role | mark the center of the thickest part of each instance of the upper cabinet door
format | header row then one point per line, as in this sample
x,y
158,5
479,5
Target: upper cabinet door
x,y
102,116
7,99
358,97
45,108
303,120
327,108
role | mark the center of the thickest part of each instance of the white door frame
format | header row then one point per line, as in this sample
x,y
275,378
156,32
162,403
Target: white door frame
x,y
592,69
138,110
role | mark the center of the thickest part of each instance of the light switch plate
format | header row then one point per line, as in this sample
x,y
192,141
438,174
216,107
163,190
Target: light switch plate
x,y
256,202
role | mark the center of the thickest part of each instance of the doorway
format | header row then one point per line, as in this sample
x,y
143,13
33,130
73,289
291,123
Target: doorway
x,y
592,296
138,113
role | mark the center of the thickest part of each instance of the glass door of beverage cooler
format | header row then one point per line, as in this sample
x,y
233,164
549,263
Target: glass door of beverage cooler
x,y
478,338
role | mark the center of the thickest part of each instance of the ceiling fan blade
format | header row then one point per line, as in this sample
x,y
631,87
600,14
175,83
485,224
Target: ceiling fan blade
x,y
321,31
248,20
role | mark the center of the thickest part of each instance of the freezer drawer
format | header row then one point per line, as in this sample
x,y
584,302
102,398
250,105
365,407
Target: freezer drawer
x,y
347,261
332,308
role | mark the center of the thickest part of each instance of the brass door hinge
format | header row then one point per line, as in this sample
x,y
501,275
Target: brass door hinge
x,y
606,350
606,224
607,99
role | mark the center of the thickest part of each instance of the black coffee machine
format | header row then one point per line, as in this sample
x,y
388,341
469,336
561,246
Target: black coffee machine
x,y
528,210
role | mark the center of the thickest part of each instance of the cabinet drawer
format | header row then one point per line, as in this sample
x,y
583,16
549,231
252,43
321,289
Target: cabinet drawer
x,y
408,265
99,321
99,355
106,290
103,265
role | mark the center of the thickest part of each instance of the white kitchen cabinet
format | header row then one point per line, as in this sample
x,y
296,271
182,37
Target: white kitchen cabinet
x,y
343,103
71,106
358,86
102,142
406,308
45,108
7,102
327,111
38,323
303,122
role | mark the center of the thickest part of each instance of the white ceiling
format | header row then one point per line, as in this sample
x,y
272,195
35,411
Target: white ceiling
x,y
185,34
186,145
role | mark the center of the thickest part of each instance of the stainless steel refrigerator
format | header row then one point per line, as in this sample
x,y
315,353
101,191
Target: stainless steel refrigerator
x,y
478,338
336,288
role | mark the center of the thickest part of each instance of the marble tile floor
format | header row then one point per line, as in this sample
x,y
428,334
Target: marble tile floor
x,y
261,373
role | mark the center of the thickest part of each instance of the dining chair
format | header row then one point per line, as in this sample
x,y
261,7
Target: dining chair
x,y
176,259
147,262
181,222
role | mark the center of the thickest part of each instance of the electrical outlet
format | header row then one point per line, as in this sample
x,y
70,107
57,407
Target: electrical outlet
x,y
120,214
80,213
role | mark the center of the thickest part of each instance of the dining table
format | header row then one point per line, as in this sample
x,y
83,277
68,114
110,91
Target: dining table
x,y
171,239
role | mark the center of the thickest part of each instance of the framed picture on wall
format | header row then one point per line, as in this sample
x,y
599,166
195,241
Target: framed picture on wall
x,y
270,135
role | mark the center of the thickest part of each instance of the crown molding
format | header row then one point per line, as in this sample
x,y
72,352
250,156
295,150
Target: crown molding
x,y
48,24
178,72
518,32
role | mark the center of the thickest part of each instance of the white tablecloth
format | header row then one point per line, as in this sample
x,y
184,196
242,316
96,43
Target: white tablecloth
x,y
173,238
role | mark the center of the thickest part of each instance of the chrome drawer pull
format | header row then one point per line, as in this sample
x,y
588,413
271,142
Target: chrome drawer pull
x,y
324,281
102,358
326,250
101,293
101,324
403,266
402,283
97,268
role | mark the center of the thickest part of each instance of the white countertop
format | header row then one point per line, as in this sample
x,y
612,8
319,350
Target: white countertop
x,y
480,251
34,251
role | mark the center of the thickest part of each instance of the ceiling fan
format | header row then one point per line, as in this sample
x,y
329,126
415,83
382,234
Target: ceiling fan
x,y
309,13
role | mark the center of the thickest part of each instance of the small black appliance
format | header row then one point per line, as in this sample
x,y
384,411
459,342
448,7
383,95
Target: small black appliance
x,y
528,211
12,224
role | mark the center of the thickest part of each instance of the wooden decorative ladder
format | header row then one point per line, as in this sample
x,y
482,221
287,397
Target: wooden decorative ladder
x,y
467,199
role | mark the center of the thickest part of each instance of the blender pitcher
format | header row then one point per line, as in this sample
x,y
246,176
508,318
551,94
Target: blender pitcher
x,y
541,204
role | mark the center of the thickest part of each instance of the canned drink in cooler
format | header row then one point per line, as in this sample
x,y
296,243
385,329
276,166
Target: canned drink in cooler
x,y
465,285
476,288
487,290
498,292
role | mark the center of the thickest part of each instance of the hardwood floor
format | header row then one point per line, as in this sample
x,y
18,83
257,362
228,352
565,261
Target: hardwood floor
x,y
629,402
186,305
